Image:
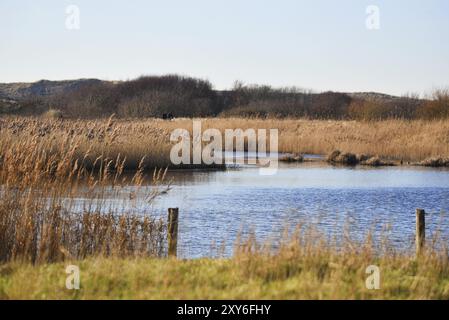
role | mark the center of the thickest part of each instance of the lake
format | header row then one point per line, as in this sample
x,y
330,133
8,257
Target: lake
x,y
216,206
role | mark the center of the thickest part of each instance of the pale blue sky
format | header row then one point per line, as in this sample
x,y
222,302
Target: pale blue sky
x,y
322,45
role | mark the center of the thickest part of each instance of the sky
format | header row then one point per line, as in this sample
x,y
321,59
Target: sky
x,y
400,47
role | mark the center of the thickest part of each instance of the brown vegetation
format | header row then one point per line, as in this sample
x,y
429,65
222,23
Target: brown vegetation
x,y
437,107
350,159
152,96
381,108
413,140
306,265
142,97
291,157
43,171
131,140
435,162
346,158
45,163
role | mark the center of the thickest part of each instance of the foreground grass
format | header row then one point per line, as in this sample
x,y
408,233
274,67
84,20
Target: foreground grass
x,y
256,277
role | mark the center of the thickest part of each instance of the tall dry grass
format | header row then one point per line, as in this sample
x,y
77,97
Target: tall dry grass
x,y
303,265
408,140
88,141
44,167
133,139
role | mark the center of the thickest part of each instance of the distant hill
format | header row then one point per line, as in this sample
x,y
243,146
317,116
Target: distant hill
x,y
183,96
22,90
371,96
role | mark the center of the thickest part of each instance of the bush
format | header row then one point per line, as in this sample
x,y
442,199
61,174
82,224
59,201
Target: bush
x,y
436,108
142,97
381,109
368,110
153,96
53,114
264,101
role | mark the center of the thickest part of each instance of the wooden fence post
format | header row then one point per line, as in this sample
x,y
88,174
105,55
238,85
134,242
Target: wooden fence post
x,y
172,233
420,231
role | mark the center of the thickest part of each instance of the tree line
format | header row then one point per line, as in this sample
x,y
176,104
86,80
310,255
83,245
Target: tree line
x,y
180,96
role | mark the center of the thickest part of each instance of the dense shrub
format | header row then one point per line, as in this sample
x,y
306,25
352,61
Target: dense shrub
x,y
264,101
437,107
368,110
154,96
379,109
143,97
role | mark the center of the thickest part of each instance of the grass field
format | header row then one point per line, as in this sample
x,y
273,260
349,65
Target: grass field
x,y
294,274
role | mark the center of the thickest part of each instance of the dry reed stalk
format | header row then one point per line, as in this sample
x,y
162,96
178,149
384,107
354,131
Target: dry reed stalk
x,y
42,171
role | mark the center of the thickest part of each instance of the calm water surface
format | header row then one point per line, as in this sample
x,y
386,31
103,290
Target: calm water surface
x,y
215,206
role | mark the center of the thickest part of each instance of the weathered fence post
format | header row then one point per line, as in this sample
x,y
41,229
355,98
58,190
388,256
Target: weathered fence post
x,y
420,231
172,233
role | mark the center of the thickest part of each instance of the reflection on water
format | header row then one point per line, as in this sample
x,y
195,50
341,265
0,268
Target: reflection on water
x,y
215,206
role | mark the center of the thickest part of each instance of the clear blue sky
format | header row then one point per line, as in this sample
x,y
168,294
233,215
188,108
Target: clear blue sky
x,y
322,45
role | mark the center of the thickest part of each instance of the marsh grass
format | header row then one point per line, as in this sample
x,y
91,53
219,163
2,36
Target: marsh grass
x,y
304,264
407,140
133,140
41,179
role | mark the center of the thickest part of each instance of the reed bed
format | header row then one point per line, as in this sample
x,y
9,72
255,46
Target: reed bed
x,y
88,142
133,139
407,140
42,173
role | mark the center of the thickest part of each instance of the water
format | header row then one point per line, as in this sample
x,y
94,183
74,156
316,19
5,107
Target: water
x,y
215,206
